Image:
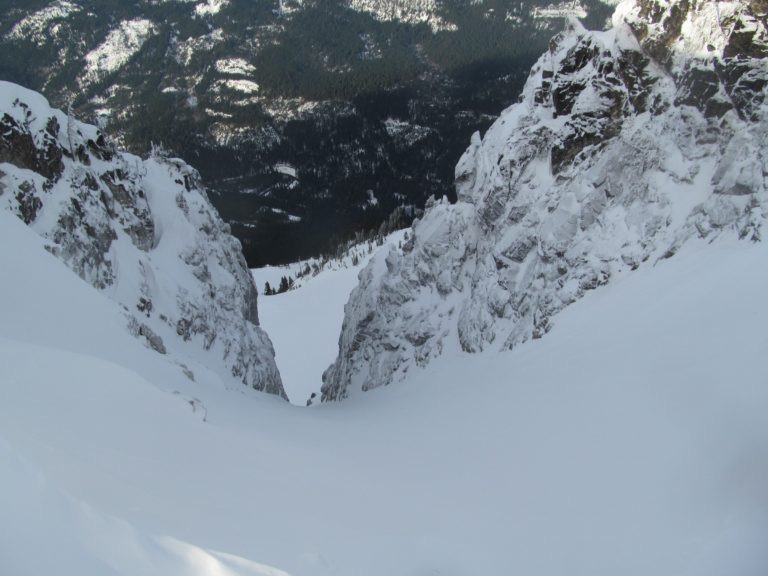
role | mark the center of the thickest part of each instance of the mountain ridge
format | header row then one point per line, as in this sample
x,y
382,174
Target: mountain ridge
x,y
141,231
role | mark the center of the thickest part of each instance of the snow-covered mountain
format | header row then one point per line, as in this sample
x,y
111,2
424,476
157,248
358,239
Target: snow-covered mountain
x,y
626,145
141,231
630,440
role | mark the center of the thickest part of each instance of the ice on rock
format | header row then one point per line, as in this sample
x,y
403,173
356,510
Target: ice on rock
x,y
141,231
626,144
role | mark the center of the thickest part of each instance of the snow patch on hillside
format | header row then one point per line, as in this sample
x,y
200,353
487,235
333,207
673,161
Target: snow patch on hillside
x,y
210,7
239,85
631,440
187,49
120,45
76,537
406,11
237,66
569,9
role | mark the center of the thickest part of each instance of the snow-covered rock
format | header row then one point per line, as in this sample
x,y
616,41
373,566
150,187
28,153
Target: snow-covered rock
x,y
626,144
141,231
41,25
408,11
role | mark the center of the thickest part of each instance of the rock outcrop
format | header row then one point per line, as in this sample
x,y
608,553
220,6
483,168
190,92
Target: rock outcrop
x,y
141,231
626,144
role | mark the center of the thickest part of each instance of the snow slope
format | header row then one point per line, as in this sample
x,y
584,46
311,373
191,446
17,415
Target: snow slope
x,y
631,440
308,343
45,531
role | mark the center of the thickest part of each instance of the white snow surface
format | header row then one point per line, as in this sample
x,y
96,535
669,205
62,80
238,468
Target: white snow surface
x,y
631,440
238,85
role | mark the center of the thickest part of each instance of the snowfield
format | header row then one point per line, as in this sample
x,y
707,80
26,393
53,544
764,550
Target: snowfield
x,y
120,45
631,440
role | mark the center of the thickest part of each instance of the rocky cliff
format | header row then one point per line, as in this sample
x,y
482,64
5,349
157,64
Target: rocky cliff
x,y
626,144
141,231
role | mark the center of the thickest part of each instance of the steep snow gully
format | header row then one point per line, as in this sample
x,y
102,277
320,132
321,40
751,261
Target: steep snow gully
x,y
576,349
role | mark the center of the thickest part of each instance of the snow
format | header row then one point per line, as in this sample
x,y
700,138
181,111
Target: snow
x,y
287,170
120,45
38,25
234,66
191,47
77,538
631,439
702,32
169,261
570,8
210,7
308,343
238,85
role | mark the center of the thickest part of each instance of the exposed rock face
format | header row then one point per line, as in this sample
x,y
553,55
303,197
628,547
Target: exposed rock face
x,y
141,231
626,144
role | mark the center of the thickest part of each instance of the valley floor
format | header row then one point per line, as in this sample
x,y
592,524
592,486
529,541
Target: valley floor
x,y
632,439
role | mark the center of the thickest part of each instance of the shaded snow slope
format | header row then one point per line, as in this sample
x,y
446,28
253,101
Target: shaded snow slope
x,y
626,144
631,440
142,231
